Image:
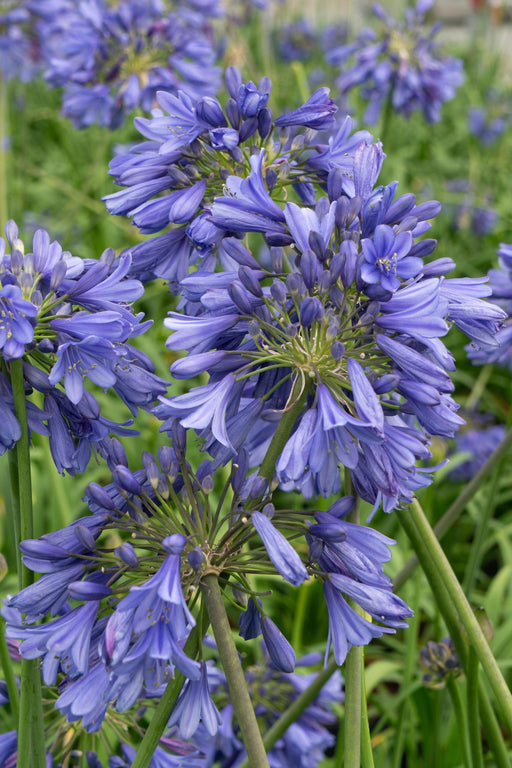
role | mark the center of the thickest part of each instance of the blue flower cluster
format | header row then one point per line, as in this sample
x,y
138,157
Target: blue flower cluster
x,y
111,58
70,320
20,55
195,147
498,350
342,329
401,65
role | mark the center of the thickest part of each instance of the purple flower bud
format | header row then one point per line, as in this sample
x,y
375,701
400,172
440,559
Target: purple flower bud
x,y
259,487
239,297
249,623
195,558
233,113
276,257
271,178
127,553
343,506
224,138
99,496
250,100
233,81
209,111
311,311
251,280
248,128
236,154
265,122
337,350
166,456
125,481
279,649
117,453
278,292
174,544
309,268
85,537
88,590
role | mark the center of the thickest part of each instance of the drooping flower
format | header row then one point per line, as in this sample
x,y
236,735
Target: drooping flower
x,y
69,321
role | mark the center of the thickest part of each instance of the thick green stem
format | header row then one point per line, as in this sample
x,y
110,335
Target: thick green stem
x,y
30,729
445,605
423,535
5,661
237,685
295,710
283,431
453,512
162,713
460,716
366,738
475,739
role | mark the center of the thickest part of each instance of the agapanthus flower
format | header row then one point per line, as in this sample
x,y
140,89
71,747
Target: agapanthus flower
x,y
498,350
194,147
69,321
112,58
20,55
489,123
479,441
304,744
400,63
343,328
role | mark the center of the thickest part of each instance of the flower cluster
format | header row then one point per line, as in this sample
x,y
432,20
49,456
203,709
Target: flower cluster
x,y
401,65
478,443
19,45
112,58
489,123
69,321
195,147
501,284
121,612
340,336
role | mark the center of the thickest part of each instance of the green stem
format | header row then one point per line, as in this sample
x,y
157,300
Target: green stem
x,y
162,713
15,508
460,716
465,613
453,512
297,399
475,740
30,730
445,605
295,709
237,685
353,700
5,661
366,738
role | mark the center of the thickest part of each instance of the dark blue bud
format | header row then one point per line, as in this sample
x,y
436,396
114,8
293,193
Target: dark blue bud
x,y
84,536
125,481
250,279
346,211
337,296
58,274
265,122
343,506
11,232
316,243
337,350
116,452
241,467
427,210
233,113
425,248
248,128
295,284
88,590
259,487
291,330
166,456
46,346
311,311
386,383
174,544
233,81
324,282
195,558
316,549
335,183
209,111
268,510
249,623
253,329
309,268
236,154
162,488
179,437
399,208
239,297
127,554
278,292
276,258
349,254
99,496
279,649
270,178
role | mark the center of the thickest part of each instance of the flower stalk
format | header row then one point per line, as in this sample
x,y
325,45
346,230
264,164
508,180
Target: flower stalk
x,y
233,671
423,540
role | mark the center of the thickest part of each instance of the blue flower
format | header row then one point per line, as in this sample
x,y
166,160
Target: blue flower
x,y
195,706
